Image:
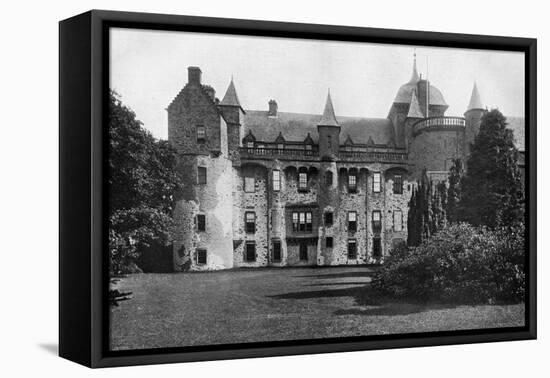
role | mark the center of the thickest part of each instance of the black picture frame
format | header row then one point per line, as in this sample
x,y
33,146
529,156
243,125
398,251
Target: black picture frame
x,y
83,84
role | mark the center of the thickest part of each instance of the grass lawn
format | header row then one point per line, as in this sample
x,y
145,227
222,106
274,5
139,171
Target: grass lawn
x,y
183,309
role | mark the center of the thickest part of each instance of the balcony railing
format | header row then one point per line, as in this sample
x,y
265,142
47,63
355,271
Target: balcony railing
x,y
277,152
439,123
373,156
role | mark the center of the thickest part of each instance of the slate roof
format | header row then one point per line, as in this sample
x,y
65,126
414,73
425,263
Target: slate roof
x,y
414,108
231,98
328,118
404,94
475,100
296,126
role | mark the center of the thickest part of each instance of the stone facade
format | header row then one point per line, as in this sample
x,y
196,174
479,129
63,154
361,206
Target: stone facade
x,y
269,188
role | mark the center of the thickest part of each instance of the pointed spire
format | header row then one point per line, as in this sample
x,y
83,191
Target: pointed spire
x,y
328,118
414,77
231,98
475,100
414,108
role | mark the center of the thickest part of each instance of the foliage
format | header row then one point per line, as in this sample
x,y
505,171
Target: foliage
x,y
142,182
427,210
454,191
492,189
459,264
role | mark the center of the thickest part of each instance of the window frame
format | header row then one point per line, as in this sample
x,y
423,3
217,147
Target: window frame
x,y
398,186
250,230
276,181
198,222
376,182
200,131
280,250
352,187
204,177
352,224
198,255
376,224
350,255
246,251
302,185
331,214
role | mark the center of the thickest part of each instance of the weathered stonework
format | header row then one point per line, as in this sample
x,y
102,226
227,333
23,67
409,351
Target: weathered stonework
x,y
338,170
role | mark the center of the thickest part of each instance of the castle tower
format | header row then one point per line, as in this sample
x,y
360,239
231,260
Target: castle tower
x,y
473,116
329,132
196,128
233,113
414,115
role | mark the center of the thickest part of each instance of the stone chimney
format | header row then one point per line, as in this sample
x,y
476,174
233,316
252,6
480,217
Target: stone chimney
x,y
272,112
194,75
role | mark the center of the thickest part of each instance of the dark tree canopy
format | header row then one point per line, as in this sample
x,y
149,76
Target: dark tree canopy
x,y
492,189
142,182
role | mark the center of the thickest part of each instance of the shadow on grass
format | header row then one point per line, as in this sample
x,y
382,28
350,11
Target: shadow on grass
x,y
339,283
337,275
368,301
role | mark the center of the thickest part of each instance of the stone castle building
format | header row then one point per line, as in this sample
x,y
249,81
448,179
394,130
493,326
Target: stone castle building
x,y
271,188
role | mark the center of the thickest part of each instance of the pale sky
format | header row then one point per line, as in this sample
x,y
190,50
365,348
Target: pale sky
x,y
149,68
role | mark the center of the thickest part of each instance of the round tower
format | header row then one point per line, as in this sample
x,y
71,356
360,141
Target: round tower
x,y
473,115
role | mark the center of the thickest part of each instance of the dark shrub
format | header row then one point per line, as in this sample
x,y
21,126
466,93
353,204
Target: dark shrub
x,y
460,264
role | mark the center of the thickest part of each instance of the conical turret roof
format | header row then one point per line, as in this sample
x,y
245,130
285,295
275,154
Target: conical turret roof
x,y
230,98
328,118
475,100
414,108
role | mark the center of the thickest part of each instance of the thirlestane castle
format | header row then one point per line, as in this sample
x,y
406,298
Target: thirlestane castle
x,y
272,188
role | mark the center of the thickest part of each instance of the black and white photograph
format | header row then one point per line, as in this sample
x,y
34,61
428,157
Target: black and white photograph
x,y
266,189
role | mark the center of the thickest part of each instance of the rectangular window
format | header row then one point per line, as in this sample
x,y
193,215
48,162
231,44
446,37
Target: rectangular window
x,y
376,182
303,251
250,252
201,257
249,186
397,184
276,180
398,220
352,249
352,183
201,222
250,222
329,242
295,221
276,251
250,144
280,146
302,222
201,134
329,142
201,175
328,178
309,223
308,147
376,247
328,219
302,180
352,221
376,221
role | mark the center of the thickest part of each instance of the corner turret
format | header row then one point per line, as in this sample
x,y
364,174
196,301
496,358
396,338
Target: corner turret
x,y
329,132
473,115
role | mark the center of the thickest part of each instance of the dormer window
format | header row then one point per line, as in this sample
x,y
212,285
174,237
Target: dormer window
x,y
280,146
250,144
201,134
308,147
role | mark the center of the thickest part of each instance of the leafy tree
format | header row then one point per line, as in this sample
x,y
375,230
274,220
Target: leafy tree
x,y
492,189
454,191
142,182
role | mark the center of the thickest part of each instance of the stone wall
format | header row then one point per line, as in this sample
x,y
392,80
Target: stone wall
x,y
434,150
